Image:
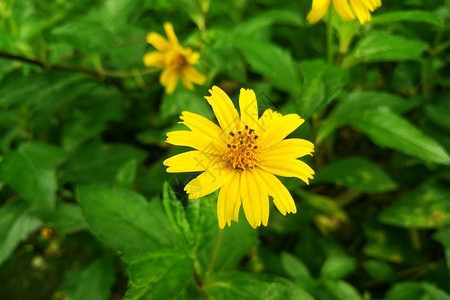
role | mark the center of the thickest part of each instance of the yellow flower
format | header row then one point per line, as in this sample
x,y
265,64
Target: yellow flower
x,y
174,59
347,9
241,157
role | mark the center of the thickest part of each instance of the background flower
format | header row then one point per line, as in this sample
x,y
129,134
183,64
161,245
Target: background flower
x,y
347,9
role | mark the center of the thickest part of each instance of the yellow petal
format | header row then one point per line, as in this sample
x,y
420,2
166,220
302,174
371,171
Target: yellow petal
x,y
209,181
221,202
246,202
224,109
191,161
343,9
189,75
361,10
280,128
249,108
289,148
281,196
262,197
154,59
201,124
234,199
169,79
170,33
195,140
318,10
157,41
192,57
267,118
288,168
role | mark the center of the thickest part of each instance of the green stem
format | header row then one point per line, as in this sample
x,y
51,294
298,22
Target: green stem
x,y
330,38
214,253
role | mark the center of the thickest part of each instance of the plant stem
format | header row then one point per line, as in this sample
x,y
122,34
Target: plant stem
x,y
214,253
330,38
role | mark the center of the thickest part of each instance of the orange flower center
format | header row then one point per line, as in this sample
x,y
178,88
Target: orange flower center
x,y
178,61
242,149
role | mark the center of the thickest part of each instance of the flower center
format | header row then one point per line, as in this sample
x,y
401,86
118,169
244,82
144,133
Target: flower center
x,y
242,149
178,61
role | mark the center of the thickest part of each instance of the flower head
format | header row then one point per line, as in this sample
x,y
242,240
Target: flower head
x,y
175,60
347,9
241,157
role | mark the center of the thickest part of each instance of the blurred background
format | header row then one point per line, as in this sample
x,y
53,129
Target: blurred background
x,y
87,210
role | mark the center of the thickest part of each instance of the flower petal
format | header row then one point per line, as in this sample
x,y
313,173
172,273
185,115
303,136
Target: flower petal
x,y
267,118
289,148
195,140
154,59
221,203
318,10
209,181
361,10
280,128
281,196
169,79
249,108
224,109
263,197
190,75
343,9
191,161
288,168
246,192
201,124
157,41
170,33
234,199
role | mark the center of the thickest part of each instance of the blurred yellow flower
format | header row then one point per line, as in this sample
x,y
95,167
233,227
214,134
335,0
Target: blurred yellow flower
x,y
241,157
175,60
347,9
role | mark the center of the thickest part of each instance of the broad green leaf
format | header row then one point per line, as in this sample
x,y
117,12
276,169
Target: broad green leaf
x,y
124,220
434,292
240,285
391,244
16,223
356,173
409,16
342,290
297,269
383,46
322,203
88,36
438,111
160,274
99,162
357,103
404,291
387,129
444,238
177,215
273,62
337,267
91,282
321,85
379,270
67,218
127,173
183,99
43,155
35,184
427,206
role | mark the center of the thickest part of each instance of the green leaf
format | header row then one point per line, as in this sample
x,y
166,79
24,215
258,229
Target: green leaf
x,y
239,285
160,274
16,223
444,238
124,220
91,282
434,292
321,85
357,103
357,173
298,271
127,173
409,16
383,46
23,173
427,206
43,155
388,129
177,216
67,218
404,291
337,267
273,62
379,270
88,36
99,162
183,99
342,290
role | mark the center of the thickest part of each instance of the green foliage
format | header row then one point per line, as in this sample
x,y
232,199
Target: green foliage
x,y
87,210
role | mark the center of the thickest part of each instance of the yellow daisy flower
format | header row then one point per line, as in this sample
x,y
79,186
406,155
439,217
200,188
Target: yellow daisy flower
x,y
174,59
241,157
347,9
